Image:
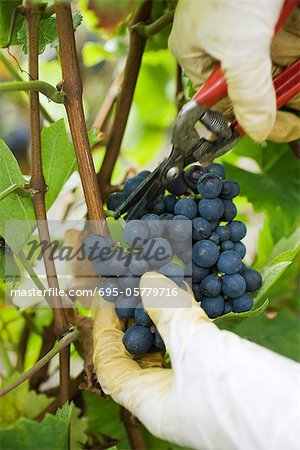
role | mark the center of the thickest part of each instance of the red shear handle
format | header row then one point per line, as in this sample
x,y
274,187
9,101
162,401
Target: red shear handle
x,y
215,87
287,85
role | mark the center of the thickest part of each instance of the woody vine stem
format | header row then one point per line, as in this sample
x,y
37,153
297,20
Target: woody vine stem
x,y
37,183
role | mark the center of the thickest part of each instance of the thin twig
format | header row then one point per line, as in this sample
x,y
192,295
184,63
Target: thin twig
x,y
108,104
63,343
48,341
72,88
37,182
156,26
14,72
38,86
136,49
22,347
134,431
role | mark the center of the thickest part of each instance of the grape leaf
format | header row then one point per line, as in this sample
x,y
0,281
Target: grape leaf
x,y
104,419
78,428
280,334
280,258
78,425
47,32
6,11
286,291
14,206
9,271
274,191
231,320
265,244
20,402
26,434
59,160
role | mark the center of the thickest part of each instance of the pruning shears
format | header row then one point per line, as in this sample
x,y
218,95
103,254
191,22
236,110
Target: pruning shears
x,y
188,146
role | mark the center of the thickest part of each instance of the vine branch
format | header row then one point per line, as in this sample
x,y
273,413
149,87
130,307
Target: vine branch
x,y
37,182
15,74
133,429
63,343
133,63
37,86
72,87
156,26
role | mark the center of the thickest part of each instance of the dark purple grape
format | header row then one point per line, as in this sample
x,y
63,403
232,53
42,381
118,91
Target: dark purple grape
x,y
125,306
230,211
132,184
238,230
213,306
211,208
138,340
229,262
253,279
209,185
170,201
223,232
158,206
210,286
178,186
242,304
217,169
135,232
235,190
227,245
240,248
201,229
115,199
233,285
141,317
205,253
186,207
192,175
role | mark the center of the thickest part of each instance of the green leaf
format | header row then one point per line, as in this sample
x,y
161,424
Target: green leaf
x,y
280,258
14,207
271,193
286,290
59,160
47,32
78,430
280,334
9,271
6,11
77,19
231,320
20,402
274,190
50,434
104,419
65,411
265,244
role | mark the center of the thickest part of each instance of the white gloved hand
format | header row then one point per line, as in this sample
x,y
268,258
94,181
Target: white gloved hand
x,y
238,33
222,392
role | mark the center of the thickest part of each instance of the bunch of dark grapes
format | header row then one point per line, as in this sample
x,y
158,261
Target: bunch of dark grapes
x,y
193,221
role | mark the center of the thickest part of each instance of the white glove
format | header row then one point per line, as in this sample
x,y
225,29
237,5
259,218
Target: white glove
x,y
222,392
238,33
